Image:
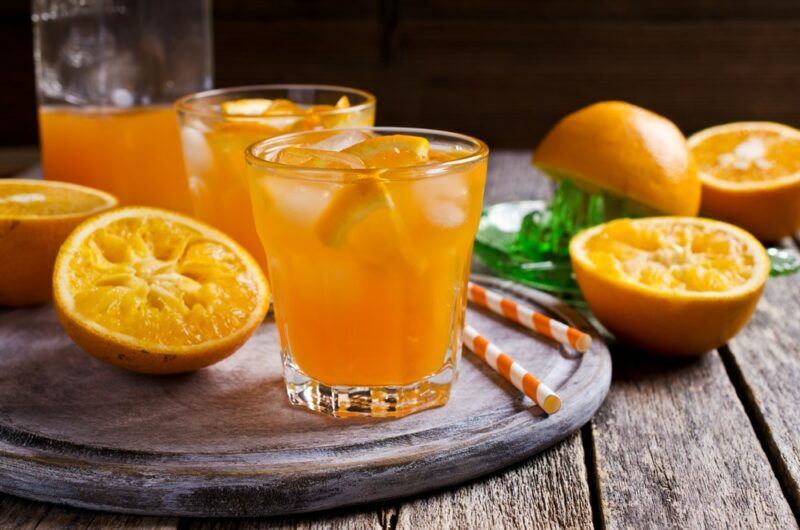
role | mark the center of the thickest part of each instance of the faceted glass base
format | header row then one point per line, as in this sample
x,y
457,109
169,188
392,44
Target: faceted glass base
x,y
344,401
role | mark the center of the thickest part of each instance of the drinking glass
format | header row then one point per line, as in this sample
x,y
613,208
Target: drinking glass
x,y
368,270
107,75
214,143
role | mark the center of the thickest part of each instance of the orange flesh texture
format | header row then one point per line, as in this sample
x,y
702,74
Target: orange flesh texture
x,y
678,259
22,199
384,305
132,154
161,282
748,156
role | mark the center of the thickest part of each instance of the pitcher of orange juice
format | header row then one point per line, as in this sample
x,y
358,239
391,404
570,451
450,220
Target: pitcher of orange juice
x,y
107,74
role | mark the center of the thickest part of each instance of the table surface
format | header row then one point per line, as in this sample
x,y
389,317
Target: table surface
x,y
710,442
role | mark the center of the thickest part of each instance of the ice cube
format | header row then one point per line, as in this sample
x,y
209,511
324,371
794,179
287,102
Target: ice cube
x,y
199,158
341,141
444,199
282,123
297,202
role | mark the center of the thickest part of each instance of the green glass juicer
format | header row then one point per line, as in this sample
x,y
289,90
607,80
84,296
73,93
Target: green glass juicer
x,y
528,241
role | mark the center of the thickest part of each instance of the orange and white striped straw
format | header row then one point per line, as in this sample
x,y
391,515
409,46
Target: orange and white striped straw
x,y
511,370
529,318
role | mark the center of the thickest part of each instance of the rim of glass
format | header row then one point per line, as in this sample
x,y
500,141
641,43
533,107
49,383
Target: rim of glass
x,y
481,151
184,104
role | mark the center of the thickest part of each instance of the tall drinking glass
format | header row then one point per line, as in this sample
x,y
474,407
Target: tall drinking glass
x,y
214,141
108,73
368,270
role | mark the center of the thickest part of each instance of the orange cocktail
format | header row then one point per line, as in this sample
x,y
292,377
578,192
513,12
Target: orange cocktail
x,y
133,153
218,125
368,235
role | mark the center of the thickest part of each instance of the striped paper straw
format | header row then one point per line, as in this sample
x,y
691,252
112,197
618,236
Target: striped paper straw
x,y
529,318
511,370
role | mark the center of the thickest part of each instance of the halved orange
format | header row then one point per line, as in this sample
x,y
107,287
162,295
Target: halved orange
x,y
157,292
674,286
751,176
36,216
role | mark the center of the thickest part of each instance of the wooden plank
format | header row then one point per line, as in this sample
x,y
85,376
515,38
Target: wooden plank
x,y
524,74
602,10
764,361
674,448
15,159
20,513
17,91
24,514
548,491
511,177
504,71
363,519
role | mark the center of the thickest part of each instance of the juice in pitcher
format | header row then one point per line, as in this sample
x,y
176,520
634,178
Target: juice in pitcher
x,y
368,234
134,154
107,76
218,125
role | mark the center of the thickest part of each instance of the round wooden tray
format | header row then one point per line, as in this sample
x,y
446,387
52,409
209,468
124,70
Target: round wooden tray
x,y
225,442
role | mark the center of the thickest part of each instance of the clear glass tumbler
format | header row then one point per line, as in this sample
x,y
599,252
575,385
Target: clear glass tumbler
x,y
368,270
214,142
108,73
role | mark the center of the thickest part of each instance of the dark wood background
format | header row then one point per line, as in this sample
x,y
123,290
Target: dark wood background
x,y
503,70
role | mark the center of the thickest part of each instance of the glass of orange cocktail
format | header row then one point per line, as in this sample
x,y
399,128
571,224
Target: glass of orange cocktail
x,y
368,234
217,126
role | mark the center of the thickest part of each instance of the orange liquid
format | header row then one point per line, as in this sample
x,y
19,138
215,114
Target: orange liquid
x,y
133,154
380,309
215,163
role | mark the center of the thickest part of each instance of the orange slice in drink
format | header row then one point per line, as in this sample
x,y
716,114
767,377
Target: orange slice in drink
x,y
348,207
352,205
318,158
675,286
283,106
341,141
36,216
751,176
343,103
247,107
392,151
157,292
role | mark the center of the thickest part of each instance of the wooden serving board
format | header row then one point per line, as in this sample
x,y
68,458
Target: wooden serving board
x,y
225,442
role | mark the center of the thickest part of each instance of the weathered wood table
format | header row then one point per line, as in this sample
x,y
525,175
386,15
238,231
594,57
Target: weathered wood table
x,y
712,442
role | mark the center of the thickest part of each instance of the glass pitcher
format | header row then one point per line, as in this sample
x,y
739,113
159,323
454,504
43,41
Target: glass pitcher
x,y
107,75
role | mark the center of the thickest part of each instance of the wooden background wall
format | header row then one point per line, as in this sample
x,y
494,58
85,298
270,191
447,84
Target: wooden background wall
x,y
503,70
